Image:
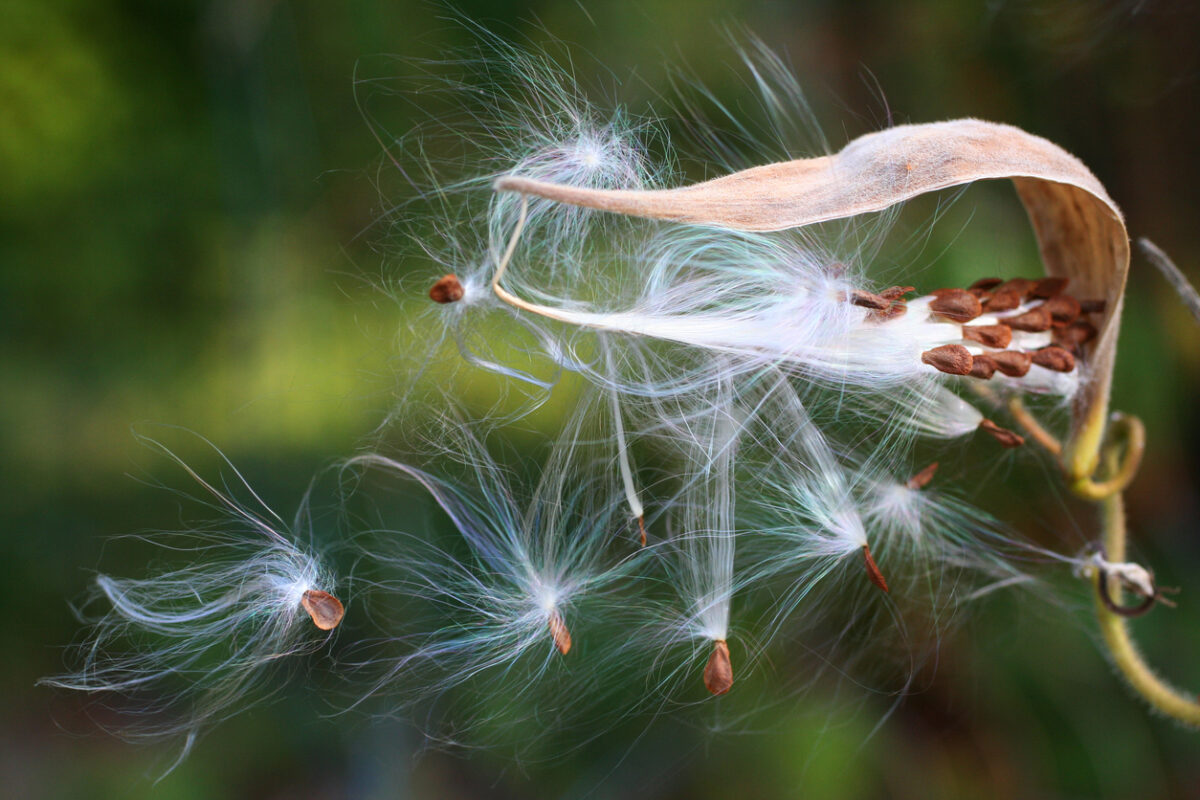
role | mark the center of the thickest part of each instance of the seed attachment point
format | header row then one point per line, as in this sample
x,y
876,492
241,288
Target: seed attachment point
x,y
718,674
325,609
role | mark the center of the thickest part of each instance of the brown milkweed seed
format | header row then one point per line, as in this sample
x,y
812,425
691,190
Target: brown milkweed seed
x,y
985,284
897,309
1022,286
1002,300
956,304
718,674
446,290
1002,435
642,530
868,300
1055,358
1074,335
1012,363
559,632
998,336
953,359
922,478
1047,288
982,367
1034,320
1063,309
325,609
873,573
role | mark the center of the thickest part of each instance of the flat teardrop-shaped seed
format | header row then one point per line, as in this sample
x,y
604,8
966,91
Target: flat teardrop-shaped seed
x,y
1002,435
448,289
998,336
985,284
1034,320
1012,363
1002,300
1055,358
1063,309
1047,288
559,632
982,367
922,478
718,674
1075,335
953,359
873,572
956,304
325,610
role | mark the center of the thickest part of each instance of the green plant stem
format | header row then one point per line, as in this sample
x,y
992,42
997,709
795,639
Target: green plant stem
x,y
1115,629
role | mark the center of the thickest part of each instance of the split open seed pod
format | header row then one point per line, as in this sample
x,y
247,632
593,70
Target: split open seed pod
x,y
1080,231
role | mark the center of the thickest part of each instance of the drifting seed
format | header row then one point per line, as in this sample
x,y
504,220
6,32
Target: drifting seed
x,y
1074,336
1093,306
718,674
559,632
956,304
982,367
1055,358
1034,320
446,290
1002,435
998,336
1013,363
325,609
953,359
1047,288
642,529
1063,309
873,569
922,478
1003,300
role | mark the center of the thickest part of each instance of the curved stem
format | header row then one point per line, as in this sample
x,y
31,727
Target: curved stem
x,y
1115,630
1031,426
1123,474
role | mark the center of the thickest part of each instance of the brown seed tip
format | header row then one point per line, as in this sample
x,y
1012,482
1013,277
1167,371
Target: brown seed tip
x,y
718,674
446,290
896,292
953,359
998,336
559,633
956,304
983,367
922,478
1075,335
1055,358
642,529
985,284
1002,435
873,569
868,300
325,609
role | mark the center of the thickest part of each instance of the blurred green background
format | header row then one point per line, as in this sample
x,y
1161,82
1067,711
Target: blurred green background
x,y
193,213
